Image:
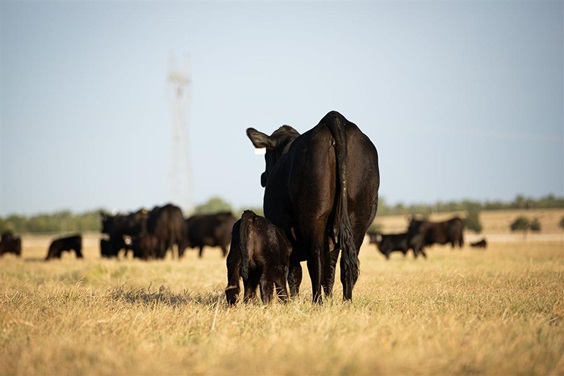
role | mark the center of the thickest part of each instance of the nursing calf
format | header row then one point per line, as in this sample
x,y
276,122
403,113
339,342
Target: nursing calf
x,y
260,254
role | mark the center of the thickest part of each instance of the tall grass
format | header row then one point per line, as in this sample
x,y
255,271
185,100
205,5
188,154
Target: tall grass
x,y
497,311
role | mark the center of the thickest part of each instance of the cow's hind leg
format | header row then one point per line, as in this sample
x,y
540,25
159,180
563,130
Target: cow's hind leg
x,y
315,267
329,272
250,288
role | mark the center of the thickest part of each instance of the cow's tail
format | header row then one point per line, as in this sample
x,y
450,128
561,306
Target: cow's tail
x,y
337,125
243,244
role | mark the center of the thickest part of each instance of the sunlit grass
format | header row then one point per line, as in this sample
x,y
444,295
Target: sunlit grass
x,y
497,311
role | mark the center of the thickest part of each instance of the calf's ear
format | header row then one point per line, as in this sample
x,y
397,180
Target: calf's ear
x,y
259,139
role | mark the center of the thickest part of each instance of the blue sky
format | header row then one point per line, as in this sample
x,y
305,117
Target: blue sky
x,y
462,99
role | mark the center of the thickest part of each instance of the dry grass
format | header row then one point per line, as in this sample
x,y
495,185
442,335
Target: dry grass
x,y
497,311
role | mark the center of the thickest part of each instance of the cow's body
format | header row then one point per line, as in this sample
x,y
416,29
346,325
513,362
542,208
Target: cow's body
x,y
480,244
68,243
388,243
260,254
321,188
450,231
212,230
166,224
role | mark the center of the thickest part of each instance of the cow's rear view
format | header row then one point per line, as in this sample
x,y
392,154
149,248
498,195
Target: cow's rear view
x,y
321,188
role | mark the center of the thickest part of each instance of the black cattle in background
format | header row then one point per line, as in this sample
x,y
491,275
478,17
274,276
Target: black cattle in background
x,y
388,243
166,223
118,227
260,254
480,244
450,231
109,248
212,230
145,246
68,243
9,243
321,188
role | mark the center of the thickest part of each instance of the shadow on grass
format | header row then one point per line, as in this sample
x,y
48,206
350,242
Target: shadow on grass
x,y
151,296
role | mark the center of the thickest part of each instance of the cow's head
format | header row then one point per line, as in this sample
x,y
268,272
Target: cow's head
x,y
275,145
107,222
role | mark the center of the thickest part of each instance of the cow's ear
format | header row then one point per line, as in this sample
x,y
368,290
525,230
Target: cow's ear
x,y
259,139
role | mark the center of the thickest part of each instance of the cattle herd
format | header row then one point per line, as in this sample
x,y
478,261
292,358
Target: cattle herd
x,y
151,234
419,234
320,197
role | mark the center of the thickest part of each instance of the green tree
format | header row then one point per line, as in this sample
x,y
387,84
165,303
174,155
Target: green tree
x,y
520,224
213,205
535,225
473,219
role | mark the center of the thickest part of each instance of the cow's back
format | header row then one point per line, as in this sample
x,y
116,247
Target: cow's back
x,y
311,170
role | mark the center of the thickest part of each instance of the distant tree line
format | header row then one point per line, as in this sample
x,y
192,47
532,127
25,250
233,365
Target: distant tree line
x,y
66,222
520,202
63,221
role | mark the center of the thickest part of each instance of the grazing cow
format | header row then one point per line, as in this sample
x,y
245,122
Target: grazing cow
x,y
388,243
9,243
321,189
68,243
450,231
480,244
211,230
166,224
260,254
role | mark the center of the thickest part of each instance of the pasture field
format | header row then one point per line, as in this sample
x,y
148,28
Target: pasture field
x,y
498,311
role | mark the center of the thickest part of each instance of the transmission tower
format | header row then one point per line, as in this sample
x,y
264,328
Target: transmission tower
x,y
180,96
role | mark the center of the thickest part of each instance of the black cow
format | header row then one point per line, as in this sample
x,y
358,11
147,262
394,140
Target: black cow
x,y
213,230
117,227
388,243
9,243
321,188
450,231
480,244
68,243
166,223
260,254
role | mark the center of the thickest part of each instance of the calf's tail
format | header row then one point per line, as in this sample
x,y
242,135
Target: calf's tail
x,y
243,244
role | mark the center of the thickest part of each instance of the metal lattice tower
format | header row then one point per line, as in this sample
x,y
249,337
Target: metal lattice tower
x,y
180,96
